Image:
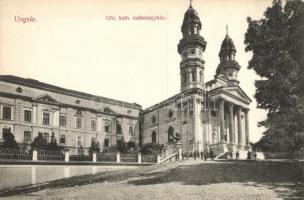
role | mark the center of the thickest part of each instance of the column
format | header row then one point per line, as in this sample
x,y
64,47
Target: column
x,y
239,121
222,120
210,135
247,127
231,124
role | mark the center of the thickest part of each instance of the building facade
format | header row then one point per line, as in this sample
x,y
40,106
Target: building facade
x,y
203,115
29,107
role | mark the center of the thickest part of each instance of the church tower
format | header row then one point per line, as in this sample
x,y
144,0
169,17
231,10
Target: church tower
x,y
228,66
191,48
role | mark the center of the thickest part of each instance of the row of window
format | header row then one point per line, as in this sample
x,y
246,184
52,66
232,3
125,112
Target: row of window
x,y
193,76
170,135
170,115
7,115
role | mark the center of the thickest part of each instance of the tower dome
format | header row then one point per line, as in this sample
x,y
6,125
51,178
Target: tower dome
x,y
227,47
191,23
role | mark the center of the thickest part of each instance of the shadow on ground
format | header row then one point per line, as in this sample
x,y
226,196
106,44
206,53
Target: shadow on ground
x,y
286,178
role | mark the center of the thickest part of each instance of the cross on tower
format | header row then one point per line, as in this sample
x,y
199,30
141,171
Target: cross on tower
x,y
226,29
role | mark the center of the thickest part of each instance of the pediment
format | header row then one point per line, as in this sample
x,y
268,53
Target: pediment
x,y
109,110
46,99
237,92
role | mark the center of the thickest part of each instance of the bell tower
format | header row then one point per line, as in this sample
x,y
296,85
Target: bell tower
x,y
191,48
228,66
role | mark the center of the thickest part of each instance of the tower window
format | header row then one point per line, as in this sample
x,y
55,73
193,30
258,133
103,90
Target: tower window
x,y
185,78
194,76
131,130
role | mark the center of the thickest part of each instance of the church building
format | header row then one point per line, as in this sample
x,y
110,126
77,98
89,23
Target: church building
x,y
203,115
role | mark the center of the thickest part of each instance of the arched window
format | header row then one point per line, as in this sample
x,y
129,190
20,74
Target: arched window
x,y
153,136
118,129
131,131
170,134
153,119
170,114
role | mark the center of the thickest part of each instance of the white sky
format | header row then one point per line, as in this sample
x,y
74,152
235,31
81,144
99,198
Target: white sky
x,y
72,45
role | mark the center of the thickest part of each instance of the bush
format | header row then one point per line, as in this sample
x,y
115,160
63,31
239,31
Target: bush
x,y
9,140
151,148
39,142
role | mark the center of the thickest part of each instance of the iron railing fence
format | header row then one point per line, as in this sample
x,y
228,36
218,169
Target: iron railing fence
x,y
50,155
80,158
149,158
14,154
106,157
128,157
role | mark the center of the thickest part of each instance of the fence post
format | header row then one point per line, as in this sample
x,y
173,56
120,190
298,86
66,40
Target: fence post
x,y
139,157
180,157
35,155
158,159
94,156
66,155
118,157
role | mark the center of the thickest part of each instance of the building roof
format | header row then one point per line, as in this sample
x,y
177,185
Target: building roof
x,y
32,83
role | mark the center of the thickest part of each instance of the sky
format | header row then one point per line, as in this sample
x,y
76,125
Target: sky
x,y
74,44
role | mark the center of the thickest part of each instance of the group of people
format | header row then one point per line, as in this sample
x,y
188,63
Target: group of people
x,y
250,155
201,155
210,155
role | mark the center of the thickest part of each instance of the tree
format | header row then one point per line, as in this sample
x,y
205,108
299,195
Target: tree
x,y
39,142
276,42
9,140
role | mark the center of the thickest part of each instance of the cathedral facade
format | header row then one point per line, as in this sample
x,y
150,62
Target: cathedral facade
x,y
204,115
